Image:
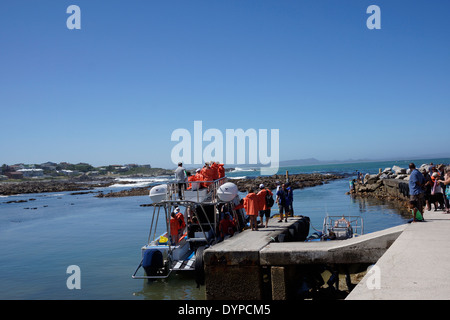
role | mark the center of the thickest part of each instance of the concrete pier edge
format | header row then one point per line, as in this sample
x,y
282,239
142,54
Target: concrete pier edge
x,y
415,267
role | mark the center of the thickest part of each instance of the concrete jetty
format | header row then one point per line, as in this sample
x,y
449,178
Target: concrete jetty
x,y
415,267
232,267
269,263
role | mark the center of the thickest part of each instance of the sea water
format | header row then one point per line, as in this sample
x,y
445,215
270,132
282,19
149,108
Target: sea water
x,y
48,232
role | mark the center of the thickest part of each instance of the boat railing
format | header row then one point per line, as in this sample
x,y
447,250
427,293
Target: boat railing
x,y
198,191
331,223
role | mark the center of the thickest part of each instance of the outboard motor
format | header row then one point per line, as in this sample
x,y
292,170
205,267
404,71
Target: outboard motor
x,y
152,261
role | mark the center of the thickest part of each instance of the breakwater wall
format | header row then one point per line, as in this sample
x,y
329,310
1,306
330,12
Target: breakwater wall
x,y
391,184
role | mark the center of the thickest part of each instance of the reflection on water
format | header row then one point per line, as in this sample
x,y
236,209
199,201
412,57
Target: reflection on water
x,y
176,287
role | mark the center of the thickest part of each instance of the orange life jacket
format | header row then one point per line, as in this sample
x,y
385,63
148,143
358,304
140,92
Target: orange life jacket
x,y
214,170
221,170
180,217
190,179
207,176
251,204
262,198
174,226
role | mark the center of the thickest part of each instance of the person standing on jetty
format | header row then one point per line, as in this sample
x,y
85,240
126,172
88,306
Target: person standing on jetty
x,y
446,183
416,183
265,208
181,178
282,203
289,200
251,206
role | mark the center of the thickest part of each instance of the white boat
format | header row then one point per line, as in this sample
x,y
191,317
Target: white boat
x,y
202,208
339,228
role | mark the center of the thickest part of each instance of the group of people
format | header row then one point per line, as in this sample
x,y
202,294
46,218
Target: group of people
x,y
255,204
210,172
285,199
429,186
202,178
260,203
227,225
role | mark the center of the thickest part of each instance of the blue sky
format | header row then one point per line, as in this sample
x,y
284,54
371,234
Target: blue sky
x,y
114,91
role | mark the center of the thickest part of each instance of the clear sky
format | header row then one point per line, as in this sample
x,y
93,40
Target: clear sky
x,y
115,90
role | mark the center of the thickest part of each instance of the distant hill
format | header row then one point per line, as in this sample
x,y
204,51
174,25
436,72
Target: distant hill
x,y
300,162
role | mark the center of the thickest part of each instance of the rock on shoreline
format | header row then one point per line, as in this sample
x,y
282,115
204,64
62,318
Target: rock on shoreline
x,y
24,187
140,191
297,181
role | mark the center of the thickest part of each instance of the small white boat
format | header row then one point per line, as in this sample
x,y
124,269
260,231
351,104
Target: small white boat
x,y
202,210
339,228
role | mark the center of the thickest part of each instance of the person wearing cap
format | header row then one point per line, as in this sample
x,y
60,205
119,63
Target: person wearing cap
x,y
265,209
181,222
199,177
174,228
193,185
281,200
278,183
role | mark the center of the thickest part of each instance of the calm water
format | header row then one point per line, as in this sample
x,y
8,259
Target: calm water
x,y
40,238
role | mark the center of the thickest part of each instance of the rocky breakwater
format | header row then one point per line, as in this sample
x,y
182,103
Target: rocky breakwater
x,y
296,181
389,184
138,191
42,186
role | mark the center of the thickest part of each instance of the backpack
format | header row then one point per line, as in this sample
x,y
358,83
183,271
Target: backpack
x,y
269,199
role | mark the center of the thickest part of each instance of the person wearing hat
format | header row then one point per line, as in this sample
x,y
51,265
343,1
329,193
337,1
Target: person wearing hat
x,y
174,228
265,208
181,222
193,185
